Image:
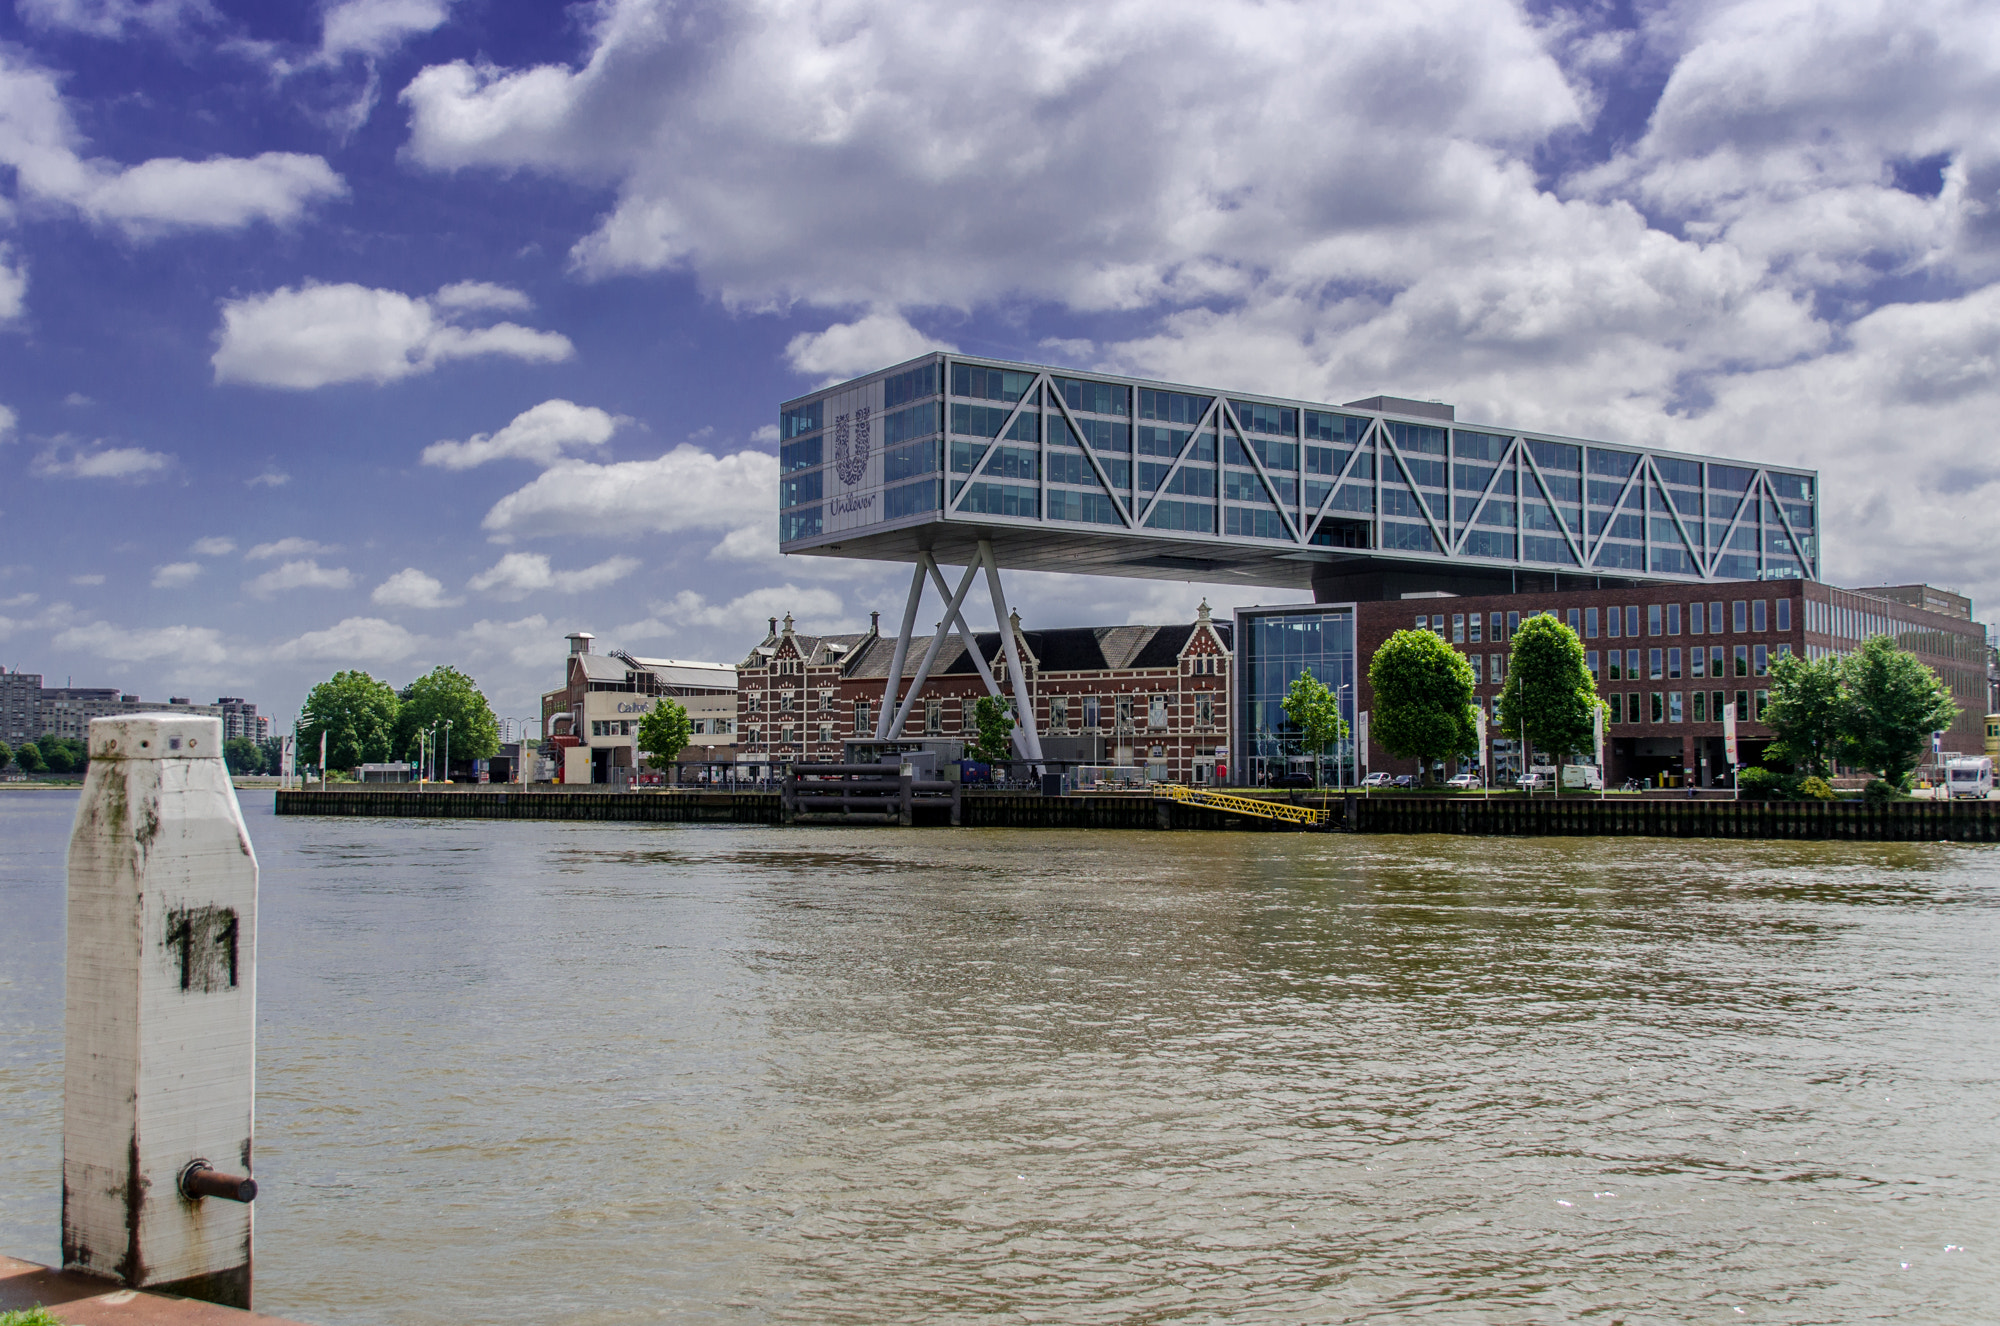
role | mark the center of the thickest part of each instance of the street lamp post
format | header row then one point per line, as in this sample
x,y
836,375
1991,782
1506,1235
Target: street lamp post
x,y
447,751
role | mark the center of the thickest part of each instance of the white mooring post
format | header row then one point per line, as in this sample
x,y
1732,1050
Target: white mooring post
x,y
159,1021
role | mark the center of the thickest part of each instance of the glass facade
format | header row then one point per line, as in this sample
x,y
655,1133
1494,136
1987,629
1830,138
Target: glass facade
x,y
1036,446
1274,647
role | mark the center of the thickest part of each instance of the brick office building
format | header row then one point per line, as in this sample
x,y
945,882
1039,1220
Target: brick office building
x,y
1668,658
1152,696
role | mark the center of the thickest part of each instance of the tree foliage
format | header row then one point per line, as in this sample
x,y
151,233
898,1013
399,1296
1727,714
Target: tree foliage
x,y
6,755
444,694
29,757
357,715
1894,703
243,756
62,754
664,732
1315,712
1549,694
1423,699
1808,710
995,723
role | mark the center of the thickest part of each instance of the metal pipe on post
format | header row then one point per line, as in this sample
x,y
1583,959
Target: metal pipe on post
x,y
159,1019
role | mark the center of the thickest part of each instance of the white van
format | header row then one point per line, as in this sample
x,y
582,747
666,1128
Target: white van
x,y
1970,776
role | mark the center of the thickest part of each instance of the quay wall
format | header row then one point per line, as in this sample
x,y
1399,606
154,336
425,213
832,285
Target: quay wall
x,y
1505,816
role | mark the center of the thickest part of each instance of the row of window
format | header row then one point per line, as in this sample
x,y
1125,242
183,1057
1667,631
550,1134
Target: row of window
x,y
1745,616
1668,707
628,727
1090,711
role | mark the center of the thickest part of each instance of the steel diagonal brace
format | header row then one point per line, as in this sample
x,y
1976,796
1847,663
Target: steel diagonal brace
x,y
1175,468
1031,394
1117,500
1479,504
931,650
956,620
1360,446
1271,489
902,654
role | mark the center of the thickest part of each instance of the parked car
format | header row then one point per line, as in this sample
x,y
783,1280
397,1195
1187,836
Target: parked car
x,y
1465,782
1532,782
1289,780
1377,779
1405,780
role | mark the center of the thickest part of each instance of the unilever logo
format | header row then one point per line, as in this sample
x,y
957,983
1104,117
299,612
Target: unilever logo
x,y
851,461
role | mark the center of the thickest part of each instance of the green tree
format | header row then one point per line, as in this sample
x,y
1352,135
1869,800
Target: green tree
x,y
1894,703
1315,712
1549,701
6,755
664,733
995,724
243,756
446,694
62,754
1423,699
29,757
356,713
1808,711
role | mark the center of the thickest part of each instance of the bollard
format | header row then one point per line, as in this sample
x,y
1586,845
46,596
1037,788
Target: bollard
x,y
159,1019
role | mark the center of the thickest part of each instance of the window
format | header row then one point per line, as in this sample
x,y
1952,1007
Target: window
x,y
1124,711
1743,660
1673,706
1458,628
1092,711
826,702
1759,618
1590,663
1614,623
1616,709
1742,706
1784,614
1513,624
1631,665
1156,711
1653,626
1653,672
1423,622
1695,615
968,715
1763,660
863,716
1674,664
1499,668
1718,701
1658,708
1697,658
1590,623
1616,658
1477,622
1763,698
1059,713
826,732
1784,650
1739,616
1631,706
1632,620
1204,711
1572,619
1673,619
1475,660
1715,668
1701,706
1495,623
934,718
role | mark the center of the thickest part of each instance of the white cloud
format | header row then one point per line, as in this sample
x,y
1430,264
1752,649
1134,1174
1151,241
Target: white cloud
x,y
289,546
214,545
539,434
750,543
316,335
176,575
42,146
88,580
411,588
482,295
351,641
849,349
750,613
764,435
520,574
13,283
8,419
101,463
687,488
308,574
376,27
271,478
186,645
527,643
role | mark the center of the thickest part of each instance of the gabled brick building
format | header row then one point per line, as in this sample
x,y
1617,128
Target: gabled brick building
x,y
1153,696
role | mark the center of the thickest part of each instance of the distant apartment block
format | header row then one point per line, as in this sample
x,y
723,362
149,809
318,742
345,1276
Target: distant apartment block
x,y
30,710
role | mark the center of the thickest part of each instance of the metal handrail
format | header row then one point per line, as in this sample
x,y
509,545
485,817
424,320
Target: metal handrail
x,y
1271,810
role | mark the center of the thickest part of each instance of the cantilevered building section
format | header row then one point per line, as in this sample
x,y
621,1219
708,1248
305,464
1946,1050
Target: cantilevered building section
x,y
1062,471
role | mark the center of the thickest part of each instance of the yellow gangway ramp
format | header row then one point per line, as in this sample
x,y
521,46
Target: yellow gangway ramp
x,y
1269,810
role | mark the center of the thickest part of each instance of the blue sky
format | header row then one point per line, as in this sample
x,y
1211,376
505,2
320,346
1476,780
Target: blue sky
x,y
385,333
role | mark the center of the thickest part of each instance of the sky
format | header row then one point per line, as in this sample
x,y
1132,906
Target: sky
x,y
391,333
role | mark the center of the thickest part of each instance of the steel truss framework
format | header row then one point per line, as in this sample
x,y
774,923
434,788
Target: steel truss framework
x,y
1027,740
1737,520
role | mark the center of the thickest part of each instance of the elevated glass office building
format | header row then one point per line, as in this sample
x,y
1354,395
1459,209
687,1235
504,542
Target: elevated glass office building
x,y
1087,472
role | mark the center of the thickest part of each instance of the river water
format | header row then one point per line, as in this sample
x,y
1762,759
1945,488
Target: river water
x,y
554,1073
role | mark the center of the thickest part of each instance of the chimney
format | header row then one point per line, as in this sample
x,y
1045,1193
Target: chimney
x,y
788,623
774,626
579,642
875,623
